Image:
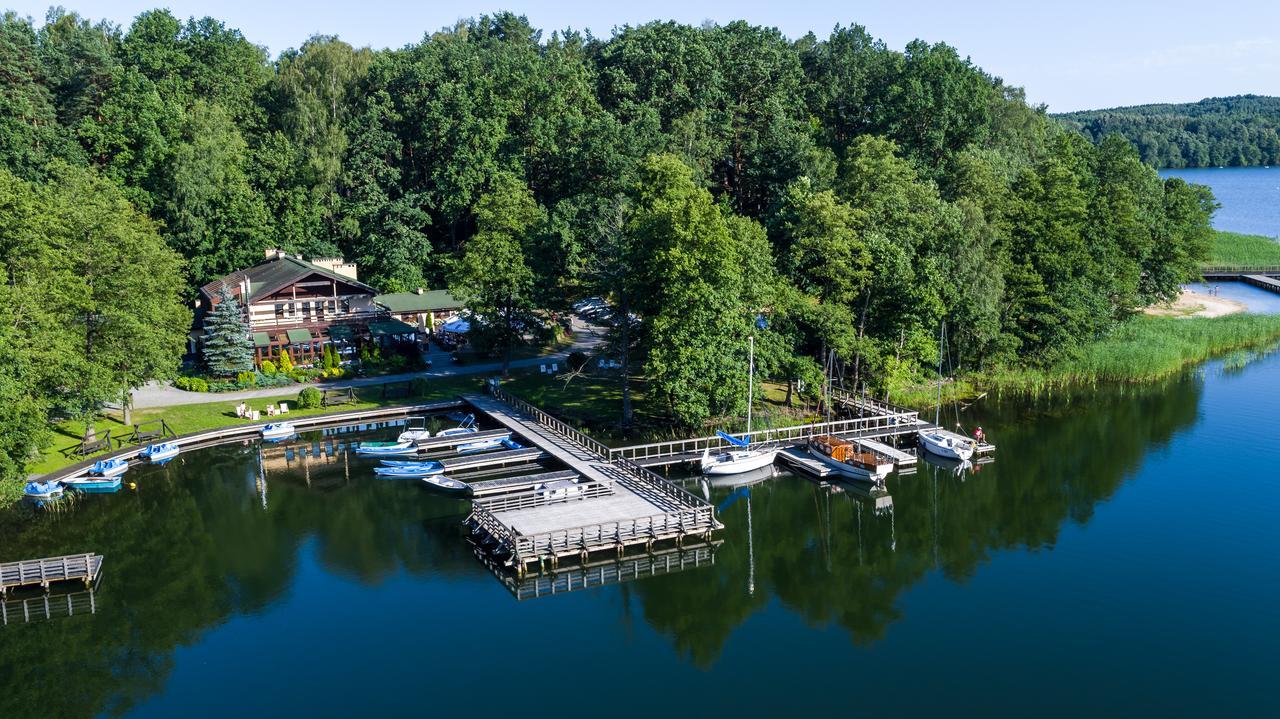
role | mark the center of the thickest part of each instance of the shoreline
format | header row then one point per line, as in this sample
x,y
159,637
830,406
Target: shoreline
x,y
1196,304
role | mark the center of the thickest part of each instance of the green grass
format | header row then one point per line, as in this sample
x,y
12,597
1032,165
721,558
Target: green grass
x,y
1231,249
1145,349
183,419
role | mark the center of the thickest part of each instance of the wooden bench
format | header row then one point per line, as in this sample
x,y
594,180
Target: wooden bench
x,y
335,397
92,446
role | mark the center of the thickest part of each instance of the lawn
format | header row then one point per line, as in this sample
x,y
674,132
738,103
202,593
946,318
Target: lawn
x,y
183,419
1231,249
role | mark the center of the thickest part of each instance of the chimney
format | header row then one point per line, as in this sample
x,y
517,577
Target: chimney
x,y
273,253
337,265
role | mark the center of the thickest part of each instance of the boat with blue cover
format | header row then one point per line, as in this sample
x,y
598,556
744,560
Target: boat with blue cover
x,y
420,464
113,467
158,453
447,484
43,491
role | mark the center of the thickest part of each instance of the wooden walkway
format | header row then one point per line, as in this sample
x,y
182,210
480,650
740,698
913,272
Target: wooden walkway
x,y
619,504
507,485
44,573
600,573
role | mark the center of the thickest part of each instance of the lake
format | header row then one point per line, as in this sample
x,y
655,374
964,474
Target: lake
x,y
1250,196
1117,557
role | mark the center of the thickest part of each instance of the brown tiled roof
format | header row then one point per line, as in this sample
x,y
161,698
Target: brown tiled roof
x,y
275,274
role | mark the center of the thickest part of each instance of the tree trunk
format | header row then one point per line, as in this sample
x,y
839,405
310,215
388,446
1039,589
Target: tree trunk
x,y
790,384
126,406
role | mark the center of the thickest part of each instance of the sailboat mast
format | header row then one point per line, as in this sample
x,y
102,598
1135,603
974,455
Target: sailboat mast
x,y
942,336
751,381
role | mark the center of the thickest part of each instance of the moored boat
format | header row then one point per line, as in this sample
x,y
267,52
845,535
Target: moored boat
x,y
740,457
445,483
409,471
387,448
419,464
947,445
113,467
278,431
157,453
415,428
479,446
43,491
848,459
94,485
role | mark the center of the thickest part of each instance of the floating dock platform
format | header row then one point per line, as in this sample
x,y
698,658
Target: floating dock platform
x,y
453,440
45,573
615,504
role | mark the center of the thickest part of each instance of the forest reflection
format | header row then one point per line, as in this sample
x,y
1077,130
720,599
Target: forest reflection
x,y
205,539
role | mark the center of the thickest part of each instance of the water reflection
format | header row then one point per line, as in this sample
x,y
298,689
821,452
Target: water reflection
x,y
219,534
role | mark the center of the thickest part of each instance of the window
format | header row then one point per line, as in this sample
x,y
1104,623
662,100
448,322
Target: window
x,y
333,306
346,306
320,310
279,310
306,310
290,309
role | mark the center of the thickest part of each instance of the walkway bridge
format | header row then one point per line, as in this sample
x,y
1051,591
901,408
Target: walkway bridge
x,y
1266,278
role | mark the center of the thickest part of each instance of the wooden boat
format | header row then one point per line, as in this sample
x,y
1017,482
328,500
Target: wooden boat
x,y
158,453
94,485
390,449
278,431
848,459
43,491
449,485
947,445
113,467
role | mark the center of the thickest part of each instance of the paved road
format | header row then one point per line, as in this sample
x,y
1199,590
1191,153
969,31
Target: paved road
x,y
586,338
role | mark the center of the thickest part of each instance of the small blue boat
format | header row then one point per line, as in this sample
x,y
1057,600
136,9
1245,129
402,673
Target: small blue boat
x,y
113,467
447,484
479,446
406,472
160,453
388,449
95,485
424,464
43,491
511,444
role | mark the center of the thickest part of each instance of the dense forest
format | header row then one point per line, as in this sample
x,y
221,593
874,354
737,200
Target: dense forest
x,y
830,195
1241,131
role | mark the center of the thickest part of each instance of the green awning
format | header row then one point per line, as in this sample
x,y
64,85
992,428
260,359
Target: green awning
x,y
261,339
299,336
390,327
341,332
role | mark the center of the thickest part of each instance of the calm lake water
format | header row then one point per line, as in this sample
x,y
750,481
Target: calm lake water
x,y
1250,196
1118,557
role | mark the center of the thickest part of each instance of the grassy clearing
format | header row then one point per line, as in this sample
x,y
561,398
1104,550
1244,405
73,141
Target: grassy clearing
x,y
1232,249
212,415
1146,349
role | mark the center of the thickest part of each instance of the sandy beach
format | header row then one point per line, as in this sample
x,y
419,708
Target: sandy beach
x,y
1196,304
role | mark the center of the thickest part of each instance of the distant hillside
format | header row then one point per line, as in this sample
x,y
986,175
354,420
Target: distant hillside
x,y
1237,131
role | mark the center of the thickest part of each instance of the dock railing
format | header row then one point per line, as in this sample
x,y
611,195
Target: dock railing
x,y
551,422
1238,270
528,499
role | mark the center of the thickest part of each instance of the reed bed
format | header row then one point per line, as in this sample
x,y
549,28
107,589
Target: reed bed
x,y
1232,249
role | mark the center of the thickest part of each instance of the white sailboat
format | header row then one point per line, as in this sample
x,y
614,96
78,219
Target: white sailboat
x,y
939,441
740,458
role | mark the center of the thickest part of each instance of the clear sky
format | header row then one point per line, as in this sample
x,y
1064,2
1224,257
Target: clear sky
x,y
1073,55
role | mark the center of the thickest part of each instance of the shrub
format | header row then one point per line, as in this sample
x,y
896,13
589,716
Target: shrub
x,y
577,360
247,379
191,384
268,368
309,398
299,375
286,363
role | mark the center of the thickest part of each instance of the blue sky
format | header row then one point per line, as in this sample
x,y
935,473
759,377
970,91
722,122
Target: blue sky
x,y
1077,55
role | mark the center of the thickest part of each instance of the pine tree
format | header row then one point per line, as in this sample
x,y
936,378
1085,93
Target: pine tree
x,y
227,349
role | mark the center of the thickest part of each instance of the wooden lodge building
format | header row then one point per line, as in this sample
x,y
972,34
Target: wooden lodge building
x,y
301,305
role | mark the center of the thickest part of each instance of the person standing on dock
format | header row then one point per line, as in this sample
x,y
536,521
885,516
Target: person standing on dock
x,y
979,435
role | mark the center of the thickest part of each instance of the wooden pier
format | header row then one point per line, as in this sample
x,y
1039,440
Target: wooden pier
x,y
429,443
45,573
616,503
492,459
1265,278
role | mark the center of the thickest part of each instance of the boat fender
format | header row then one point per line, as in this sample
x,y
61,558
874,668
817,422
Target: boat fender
x,y
133,485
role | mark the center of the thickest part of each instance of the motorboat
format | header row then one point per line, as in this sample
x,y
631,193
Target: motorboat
x,y
43,491
158,453
466,426
113,467
390,449
481,445
848,459
736,460
278,431
415,428
947,445
447,484
406,472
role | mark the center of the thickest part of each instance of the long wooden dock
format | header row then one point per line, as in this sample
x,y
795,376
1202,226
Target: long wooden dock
x,y
46,572
617,503
1266,278
492,459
